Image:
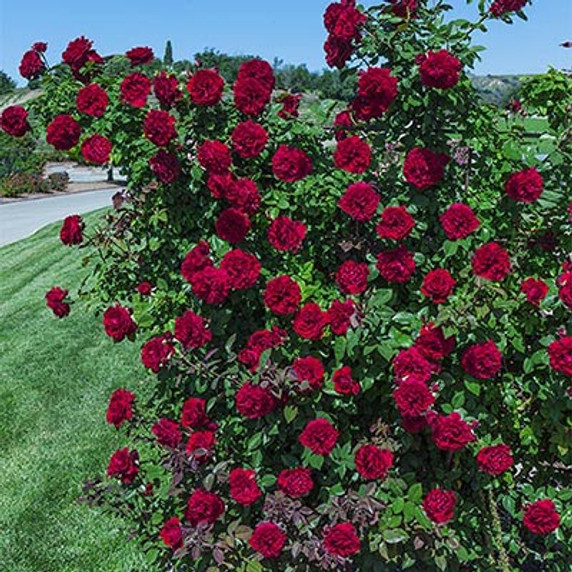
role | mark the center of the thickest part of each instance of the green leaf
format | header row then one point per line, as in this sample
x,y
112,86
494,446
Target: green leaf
x,y
394,536
415,492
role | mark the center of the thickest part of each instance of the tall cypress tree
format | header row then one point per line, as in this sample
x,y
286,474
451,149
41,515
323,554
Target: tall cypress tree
x,y
168,57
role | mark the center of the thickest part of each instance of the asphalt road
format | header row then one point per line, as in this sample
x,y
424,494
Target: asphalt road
x,y
21,219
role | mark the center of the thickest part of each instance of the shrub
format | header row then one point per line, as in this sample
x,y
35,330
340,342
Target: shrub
x,y
337,385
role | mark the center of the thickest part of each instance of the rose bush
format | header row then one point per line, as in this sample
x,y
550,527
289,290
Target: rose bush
x,y
356,330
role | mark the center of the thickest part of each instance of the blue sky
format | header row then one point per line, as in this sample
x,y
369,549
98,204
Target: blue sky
x,y
289,29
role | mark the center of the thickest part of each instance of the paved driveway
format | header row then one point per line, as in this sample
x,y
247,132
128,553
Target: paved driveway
x,y
21,219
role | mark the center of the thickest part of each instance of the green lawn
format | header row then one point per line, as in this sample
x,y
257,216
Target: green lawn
x,y
55,379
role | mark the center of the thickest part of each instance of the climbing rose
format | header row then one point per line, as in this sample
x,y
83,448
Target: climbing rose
x,y
525,186
423,168
395,223
71,230
342,540
165,166
309,373
135,90
492,262
254,401
290,105
410,364
296,483
286,234
432,344
159,127
351,277
191,331
196,259
459,221
243,487
205,87
120,408
340,316
118,323
282,295
360,201
352,155
123,464
377,89
413,397
172,533
320,436
156,352
438,285
243,269
249,139
214,156
140,56
63,132
310,321
564,283
344,383
243,194
78,53
201,446
211,285
404,8
495,460
535,290
291,164
450,432
55,301
258,69
396,265
232,225
440,70
560,355
500,7
251,96
541,517
439,505
203,507
167,432
96,149
258,343
92,100
166,89
144,288
14,121
194,413
483,360
31,65
372,462
268,539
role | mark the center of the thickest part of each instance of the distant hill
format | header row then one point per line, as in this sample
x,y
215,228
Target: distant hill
x,y
498,89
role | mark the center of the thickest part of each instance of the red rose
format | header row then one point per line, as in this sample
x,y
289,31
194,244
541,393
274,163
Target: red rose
x,y
196,260
31,65
92,100
535,290
268,539
432,344
343,20
96,149
14,121
459,221
232,225
500,7
201,446
525,186
140,56
282,295
404,8
450,432
541,517
351,277
159,127
165,166
296,483
286,234
338,52
342,540
258,343
413,397
482,361
560,355
377,89
253,401
423,168
166,89
205,87
135,89
352,155
310,321
342,121
344,383
438,285
360,201
194,413
410,364
291,164
78,53
55,301
396,265
203,507
564,283
243,487
320,436
243,194
172,533
414,424
495,460
118,323
156,352
309,373
373,462
249,139
63,132
440,70
340,316
218,185
439,505
251,96
123,464
211,285
395,223
492,262
167,432
290,105
214,156
120,408
259,70
39,47
243,269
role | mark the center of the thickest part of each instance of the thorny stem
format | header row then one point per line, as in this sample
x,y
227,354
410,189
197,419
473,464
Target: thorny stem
x,y
503,557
